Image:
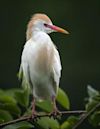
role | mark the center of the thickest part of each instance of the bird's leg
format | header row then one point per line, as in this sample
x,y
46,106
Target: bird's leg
x,y
55,111
34,114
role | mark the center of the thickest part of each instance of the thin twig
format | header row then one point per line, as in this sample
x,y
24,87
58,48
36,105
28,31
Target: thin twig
x,y
85,115
73,112
29,118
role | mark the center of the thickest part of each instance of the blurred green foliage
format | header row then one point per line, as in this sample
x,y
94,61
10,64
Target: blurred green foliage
x,y
13,101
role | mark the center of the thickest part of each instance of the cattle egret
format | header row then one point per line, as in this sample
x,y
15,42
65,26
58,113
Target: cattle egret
x,y
40,60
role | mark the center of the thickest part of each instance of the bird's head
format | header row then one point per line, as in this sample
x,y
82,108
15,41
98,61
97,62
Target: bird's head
x,y
41,22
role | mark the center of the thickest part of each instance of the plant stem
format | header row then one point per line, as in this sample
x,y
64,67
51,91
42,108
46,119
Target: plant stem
x,y
85,115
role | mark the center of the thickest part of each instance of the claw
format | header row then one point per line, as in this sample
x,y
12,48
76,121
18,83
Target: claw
x,y
34,115
55,113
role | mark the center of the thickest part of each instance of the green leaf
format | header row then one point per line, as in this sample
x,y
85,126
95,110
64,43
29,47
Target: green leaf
x,y
11,92
95,119
92,92
63,99
48,123
4,98
28,112
65,125
73,120
45,105
91,105
22,97
20,125
70,122
12,108
5,116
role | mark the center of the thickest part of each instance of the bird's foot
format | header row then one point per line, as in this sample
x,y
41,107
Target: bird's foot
x,y
55,114
34,116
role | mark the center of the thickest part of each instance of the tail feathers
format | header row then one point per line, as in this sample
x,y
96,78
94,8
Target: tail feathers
x,y
21,76
20,73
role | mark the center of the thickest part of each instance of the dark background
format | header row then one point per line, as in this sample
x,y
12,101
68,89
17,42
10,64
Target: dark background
x,y
80,51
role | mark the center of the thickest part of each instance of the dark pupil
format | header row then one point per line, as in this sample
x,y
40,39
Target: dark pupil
x,y
45,24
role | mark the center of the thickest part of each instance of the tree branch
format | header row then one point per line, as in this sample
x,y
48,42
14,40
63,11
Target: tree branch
x,y
29,118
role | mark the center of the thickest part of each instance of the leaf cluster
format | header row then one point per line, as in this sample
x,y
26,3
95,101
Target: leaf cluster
x,y
93,100
15,103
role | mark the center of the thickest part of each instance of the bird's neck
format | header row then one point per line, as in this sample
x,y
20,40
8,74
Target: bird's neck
x,y
41,37
44,51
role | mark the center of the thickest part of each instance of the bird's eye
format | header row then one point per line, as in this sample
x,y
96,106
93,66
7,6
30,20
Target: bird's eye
x,y
45,24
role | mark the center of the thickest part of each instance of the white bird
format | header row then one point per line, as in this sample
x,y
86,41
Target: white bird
x,y
40,60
